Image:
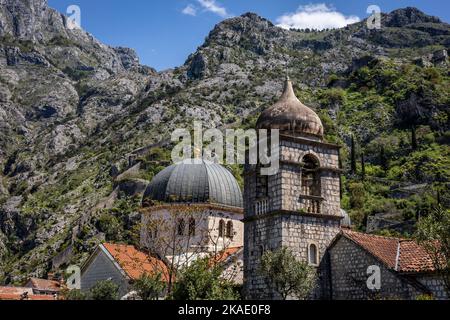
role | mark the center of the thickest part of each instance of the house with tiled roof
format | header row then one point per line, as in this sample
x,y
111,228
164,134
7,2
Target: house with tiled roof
x,y
23,293
44,286
122,264
405,269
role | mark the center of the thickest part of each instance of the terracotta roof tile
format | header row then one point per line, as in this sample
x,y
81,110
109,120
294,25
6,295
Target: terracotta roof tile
x,y
45,285
15,290
398,254
135,263
17,293
224,255
41,297
414,258
383,248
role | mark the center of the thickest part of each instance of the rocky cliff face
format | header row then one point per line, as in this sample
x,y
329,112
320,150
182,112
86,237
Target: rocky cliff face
x,y
72,109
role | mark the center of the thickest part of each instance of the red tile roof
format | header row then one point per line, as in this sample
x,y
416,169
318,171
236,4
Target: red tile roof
x,y
44,285
15,290
17,293
398,254
135,263
224,255
414,258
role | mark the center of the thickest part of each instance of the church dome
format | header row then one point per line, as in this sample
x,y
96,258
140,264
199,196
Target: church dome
x,y
195,181
289,114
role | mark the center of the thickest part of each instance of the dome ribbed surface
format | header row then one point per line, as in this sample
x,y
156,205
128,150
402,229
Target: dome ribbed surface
x,y
195,181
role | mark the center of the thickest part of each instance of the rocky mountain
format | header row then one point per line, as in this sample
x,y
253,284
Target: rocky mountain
x,y
84,126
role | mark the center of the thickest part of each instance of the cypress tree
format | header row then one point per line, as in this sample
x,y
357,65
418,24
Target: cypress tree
x,y
353,156
383,159
363,167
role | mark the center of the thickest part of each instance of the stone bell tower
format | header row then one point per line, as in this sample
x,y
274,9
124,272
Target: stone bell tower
x,y
298,207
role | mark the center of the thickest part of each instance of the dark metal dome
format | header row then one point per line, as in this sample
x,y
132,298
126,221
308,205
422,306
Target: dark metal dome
x,y
289,114
195,181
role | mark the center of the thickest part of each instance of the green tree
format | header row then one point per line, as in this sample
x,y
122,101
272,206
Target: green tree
x,y
202,280
150,287
105,290
73,295
110,226
286,275
383,159
363,167
353,156
357,194
433,232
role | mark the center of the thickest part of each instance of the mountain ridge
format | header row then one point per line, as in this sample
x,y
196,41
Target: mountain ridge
x,y
73,111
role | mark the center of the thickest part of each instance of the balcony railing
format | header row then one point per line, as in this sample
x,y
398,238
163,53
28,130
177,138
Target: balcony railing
x,y
262,206
311,204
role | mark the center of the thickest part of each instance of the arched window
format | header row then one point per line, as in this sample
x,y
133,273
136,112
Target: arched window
x,y
230,231
153,232
181,227
221,228
191,227
313,254
311,176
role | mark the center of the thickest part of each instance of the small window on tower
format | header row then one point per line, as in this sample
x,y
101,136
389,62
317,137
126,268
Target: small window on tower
x,y
192,227
230,231
221,228
313,255
153,232
181,227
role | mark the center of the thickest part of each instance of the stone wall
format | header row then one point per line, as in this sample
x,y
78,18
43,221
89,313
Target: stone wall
x,y
435,284
279,218
283,190
259,235
349,263
292,154
293,231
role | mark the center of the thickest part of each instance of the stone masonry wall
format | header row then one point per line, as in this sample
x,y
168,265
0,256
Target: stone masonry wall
x,y
349,265
292,153
278,220
435,284
259,236
296,232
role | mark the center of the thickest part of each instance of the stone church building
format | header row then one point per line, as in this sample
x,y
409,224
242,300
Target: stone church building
x,y
299,208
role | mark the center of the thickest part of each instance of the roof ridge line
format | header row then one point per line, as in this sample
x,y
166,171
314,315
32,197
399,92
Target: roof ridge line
x,y
379,236
397,258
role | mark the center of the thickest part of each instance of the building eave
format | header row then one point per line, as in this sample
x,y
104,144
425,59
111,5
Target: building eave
x,y
210,206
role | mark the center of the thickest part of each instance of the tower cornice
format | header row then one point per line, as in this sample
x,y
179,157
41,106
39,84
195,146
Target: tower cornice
x,y
277,213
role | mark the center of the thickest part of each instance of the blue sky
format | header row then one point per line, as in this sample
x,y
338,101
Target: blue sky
x,y
165,32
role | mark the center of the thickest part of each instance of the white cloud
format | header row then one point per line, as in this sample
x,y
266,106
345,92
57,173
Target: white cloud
x,y
214,7
315,16
190,10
